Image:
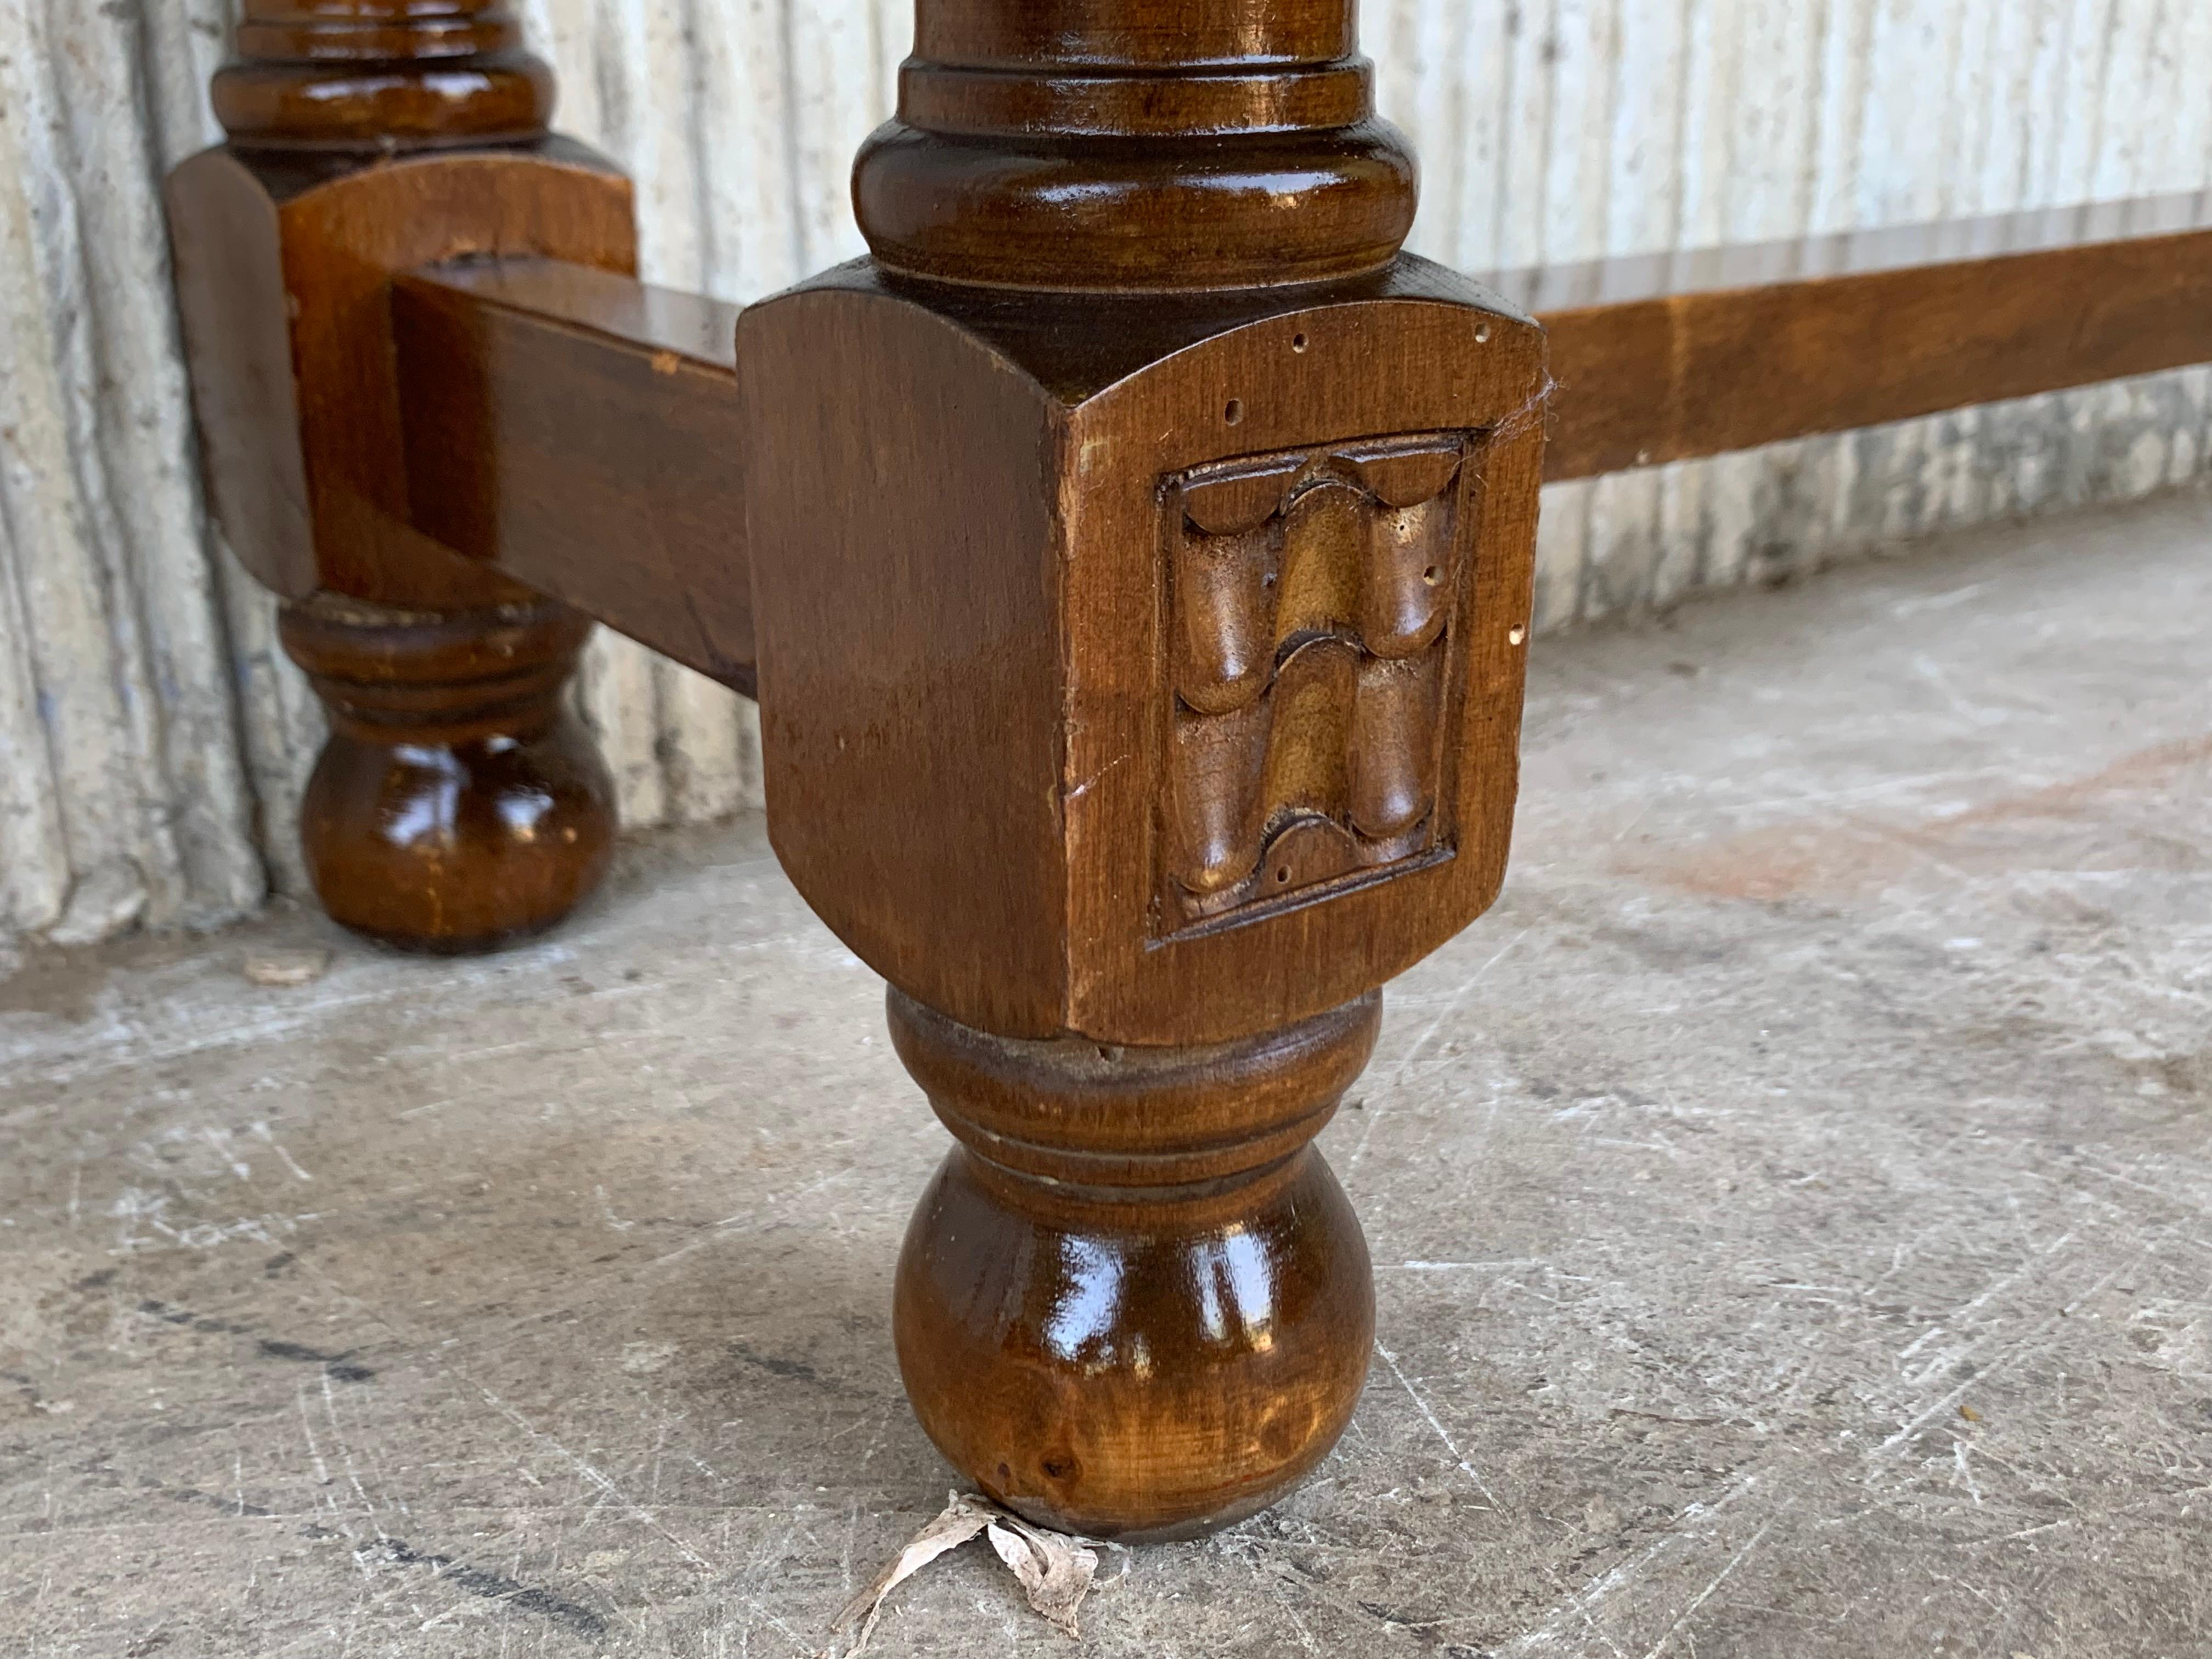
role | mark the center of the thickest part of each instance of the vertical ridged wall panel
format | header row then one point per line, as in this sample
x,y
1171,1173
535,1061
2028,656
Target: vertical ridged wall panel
x,y
153,739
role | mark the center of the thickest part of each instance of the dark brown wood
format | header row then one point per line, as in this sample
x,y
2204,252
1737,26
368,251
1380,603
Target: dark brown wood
x,y
1140,646
381,75
326,246
1135,143
458,804
369,137
1134,1302
969,686
579,431
1665,357
553,411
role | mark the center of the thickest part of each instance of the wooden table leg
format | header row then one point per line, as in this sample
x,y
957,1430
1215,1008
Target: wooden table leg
x,y
1142,549
456,806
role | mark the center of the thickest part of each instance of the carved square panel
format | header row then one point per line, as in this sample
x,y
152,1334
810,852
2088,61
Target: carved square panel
x,y
1310,601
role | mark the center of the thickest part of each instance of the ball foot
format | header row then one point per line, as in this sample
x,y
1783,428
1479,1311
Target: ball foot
x,y
1134,1303
457,805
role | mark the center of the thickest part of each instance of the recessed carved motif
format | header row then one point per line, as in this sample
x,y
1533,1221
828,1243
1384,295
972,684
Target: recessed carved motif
x,y
1310,614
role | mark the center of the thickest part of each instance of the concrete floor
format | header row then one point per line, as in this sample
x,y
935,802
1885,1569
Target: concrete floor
x,y
1792,1206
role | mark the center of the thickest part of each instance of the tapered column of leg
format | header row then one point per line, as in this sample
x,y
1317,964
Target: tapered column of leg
x,y
1134,1302
459,804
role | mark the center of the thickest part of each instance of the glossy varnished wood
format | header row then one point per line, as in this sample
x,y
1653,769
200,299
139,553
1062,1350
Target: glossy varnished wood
x,y
579,431
1138,144
1666,358
458,804
1133,558
1134,1303
326,242
381,75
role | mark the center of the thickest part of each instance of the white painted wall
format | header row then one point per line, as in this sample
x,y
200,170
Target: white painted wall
x,y
153,739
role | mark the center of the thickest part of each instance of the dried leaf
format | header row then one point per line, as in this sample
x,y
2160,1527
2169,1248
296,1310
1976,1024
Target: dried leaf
x,y
1056,1570
287,967
962,1518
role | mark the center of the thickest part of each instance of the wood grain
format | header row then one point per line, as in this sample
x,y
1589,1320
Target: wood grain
x,y
341,235
1196,1304
579,431
555,410
1140,671
1141,668
458,805
1664,358
1308,604
977,649
1031,140
900,493
1756,124
352,77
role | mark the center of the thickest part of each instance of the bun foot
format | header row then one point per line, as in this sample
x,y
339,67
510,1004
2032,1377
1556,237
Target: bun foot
x,y
458,805
1134,1304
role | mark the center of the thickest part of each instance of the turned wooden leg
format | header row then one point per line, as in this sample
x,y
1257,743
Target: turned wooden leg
x,y
1134,1302
458,805
1140,569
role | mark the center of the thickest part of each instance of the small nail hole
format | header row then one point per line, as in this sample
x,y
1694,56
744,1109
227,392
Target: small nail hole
x,y
1518,635
1482,334
1298,343
1283,876
1433,575
1235,412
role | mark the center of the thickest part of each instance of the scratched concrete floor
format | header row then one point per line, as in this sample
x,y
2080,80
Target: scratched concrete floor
x,y
1793,1208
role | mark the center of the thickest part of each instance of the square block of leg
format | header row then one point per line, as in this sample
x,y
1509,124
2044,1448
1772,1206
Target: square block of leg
x,y
284,265
1144,667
